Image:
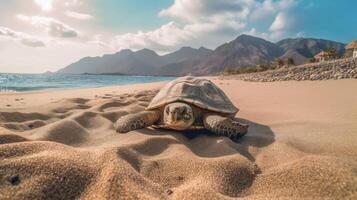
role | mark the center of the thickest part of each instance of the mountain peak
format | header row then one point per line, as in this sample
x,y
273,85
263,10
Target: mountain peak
x,y
193,50
124,51
204,49
145,50
249,38
245,36
186,48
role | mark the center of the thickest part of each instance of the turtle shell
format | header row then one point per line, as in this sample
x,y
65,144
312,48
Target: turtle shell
x,y
197,91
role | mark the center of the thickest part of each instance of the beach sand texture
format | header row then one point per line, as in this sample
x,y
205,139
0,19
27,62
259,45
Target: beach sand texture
x,y
302,143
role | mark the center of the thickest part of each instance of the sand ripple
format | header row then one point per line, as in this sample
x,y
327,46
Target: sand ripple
x,y
69,150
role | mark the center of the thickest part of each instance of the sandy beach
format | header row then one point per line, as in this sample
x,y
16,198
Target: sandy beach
x,y
302,143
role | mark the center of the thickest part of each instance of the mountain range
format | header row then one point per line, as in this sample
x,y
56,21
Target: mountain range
x,y
244,51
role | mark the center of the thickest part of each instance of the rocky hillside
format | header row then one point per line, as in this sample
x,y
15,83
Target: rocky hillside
x,y
142,62
186,54
302,49
244,51
336,69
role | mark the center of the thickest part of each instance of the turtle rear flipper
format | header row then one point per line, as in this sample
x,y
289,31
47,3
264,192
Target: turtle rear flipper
x,y
137,121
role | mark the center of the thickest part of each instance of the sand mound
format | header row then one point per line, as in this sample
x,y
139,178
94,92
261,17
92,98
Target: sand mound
x,y
46,171
316,176
7,137
68,149
64,131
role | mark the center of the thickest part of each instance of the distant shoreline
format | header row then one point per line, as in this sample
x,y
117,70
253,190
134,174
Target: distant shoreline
x,y
120,74
108,74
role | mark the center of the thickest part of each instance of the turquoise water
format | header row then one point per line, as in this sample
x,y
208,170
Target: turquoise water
x,y
31,82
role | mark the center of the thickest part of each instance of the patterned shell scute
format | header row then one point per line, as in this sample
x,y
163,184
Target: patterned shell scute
x,y
197,91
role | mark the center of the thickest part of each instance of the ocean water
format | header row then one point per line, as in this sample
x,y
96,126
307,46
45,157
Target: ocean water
x,y
31,82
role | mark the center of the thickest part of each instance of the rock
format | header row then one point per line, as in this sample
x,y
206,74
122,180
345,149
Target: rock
x,y
14,180
335,69
169,192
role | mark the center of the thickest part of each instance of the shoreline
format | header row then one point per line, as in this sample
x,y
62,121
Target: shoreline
x,y
76,88
9,98
39,97
21,83
217,78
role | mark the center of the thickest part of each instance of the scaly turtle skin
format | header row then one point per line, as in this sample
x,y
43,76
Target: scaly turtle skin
x,y
188,103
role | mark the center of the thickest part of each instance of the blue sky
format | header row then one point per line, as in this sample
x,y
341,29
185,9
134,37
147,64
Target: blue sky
x,y
41,35
330,19
130,15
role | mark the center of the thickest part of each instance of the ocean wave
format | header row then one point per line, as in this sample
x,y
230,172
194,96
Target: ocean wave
x,y
31,82
24,89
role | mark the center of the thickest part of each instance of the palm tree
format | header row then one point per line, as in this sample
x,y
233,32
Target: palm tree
x,y
312,60
332,52
280,62
291,61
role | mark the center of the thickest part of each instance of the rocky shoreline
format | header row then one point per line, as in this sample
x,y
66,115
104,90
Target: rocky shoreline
x,y
335,69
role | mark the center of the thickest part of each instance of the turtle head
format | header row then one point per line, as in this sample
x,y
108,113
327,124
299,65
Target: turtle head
x,y
178,116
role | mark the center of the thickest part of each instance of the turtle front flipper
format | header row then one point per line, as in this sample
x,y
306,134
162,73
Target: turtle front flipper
x,y
137,121
225,126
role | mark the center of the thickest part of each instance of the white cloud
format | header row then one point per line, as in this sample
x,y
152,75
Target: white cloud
x,y
264,10
277,16
282,25
54,56
255,33
202,10
99,43
98,40
203,20
72,3
172,35
55,28
77,15
268,10
212,22
300,34
162,38
46,5
23,38
32,42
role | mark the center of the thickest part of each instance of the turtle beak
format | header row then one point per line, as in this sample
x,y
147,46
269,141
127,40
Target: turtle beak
x,y
168,116
172,117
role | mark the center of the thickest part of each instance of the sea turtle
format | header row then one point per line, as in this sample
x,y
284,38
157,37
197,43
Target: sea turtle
x,y
187,103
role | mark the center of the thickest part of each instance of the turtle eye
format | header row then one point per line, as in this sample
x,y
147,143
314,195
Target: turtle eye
x,y
186,117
